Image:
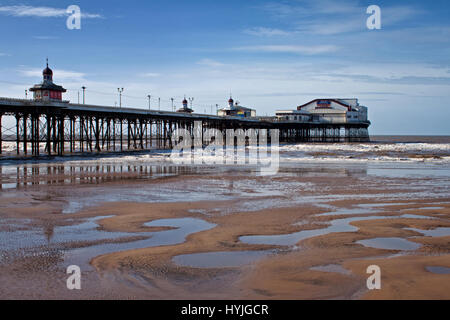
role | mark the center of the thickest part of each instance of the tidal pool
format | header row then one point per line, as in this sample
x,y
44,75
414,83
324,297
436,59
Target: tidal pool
x,y
338,225
220,259
390,244
438,270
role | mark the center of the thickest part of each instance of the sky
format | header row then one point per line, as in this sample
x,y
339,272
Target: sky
x,y
270,55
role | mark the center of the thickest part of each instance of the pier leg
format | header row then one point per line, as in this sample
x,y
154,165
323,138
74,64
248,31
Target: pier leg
x,y
165,135
97,135
141,135
121,135
71,135
81,134
129,136
91,128
1,138
114,134
48,146
54,135
151,134
25,138
38,134
33,135
18,134
61,136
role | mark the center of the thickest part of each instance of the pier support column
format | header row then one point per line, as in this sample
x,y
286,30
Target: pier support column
x,y
1,137
114,134
97,134
25,138
151,134
61,136
48,146
81,128
33,135
71,134
18,134
121,135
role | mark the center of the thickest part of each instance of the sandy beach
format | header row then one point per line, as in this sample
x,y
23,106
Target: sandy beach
x,y
152,230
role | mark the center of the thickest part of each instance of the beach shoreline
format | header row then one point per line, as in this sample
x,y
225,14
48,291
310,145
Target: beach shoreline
x,y
295,235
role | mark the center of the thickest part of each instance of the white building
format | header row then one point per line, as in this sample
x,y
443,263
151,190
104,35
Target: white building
x,y
235,110
293,115
327,111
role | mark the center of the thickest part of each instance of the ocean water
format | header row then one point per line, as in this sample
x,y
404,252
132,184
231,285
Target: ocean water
x,y
381,149
429,149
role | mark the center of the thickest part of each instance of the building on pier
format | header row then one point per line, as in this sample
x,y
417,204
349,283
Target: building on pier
x,y
235,110
185,108
326,111
47,90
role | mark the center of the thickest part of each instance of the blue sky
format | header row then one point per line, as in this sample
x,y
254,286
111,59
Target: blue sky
x,y
271,54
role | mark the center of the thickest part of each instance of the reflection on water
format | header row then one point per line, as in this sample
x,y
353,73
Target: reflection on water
x,y
438,270
92,242
220,259
438,232
338,225
78,173
333,268
64,174
390,244
184,227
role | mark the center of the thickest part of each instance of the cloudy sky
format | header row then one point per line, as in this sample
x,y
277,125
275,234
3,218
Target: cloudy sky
x,y
270,54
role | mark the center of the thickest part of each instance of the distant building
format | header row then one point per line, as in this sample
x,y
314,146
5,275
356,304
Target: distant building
x,y
47,90
327,111
185,108
293,115
235,110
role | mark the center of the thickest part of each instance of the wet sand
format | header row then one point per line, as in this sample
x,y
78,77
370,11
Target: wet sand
x,y
295,235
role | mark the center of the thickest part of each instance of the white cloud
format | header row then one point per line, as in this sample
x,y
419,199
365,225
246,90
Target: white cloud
x,y
306,50
333,27
45,37
328,17
42,12
150,75
60,75
266,32
210,63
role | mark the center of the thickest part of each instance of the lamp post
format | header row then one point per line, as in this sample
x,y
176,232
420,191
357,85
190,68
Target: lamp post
x,y
120,90
26,94
159,104
172,103
149,102
84,94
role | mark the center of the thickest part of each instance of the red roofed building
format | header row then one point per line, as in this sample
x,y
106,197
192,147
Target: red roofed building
x,y
47,90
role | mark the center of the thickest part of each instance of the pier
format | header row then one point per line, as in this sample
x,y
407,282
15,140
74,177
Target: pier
x,y
57,128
